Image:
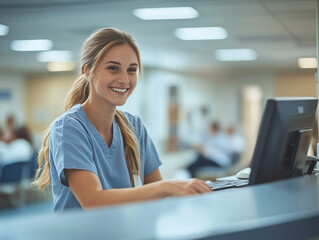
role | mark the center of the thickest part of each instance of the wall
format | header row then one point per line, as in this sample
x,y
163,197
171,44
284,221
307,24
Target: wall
x,y
296,84
15,85
45,101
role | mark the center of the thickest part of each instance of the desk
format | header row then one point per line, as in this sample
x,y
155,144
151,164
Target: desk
x,y
286,209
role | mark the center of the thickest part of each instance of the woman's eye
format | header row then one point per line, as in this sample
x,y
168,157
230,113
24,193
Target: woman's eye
x,y
113,68
132,70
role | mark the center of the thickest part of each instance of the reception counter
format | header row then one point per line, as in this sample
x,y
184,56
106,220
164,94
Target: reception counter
x,y
286,209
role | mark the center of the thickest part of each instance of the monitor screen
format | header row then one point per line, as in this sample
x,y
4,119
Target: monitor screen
x,y
283,140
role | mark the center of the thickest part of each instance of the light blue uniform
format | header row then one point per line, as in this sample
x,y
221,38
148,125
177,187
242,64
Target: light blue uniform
x,y
75,143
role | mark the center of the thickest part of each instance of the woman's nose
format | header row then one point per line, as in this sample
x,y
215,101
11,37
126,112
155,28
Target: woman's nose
x,y
124,77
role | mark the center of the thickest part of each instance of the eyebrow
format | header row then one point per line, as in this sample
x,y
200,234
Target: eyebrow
x,y
117,63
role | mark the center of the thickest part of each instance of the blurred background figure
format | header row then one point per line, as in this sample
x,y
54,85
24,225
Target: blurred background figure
x,y
19,148
214,150
236,144
9,130
1,135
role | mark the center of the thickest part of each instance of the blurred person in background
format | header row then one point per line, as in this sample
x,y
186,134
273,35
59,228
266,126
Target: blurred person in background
x,y
235,142
18,149
9,130
214,150
95,155
1,135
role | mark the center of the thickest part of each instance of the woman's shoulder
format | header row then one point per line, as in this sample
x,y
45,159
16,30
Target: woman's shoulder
x,y
136,123
135,120
72,116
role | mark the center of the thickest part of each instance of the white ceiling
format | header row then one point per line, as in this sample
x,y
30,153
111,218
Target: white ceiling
x,y
280,31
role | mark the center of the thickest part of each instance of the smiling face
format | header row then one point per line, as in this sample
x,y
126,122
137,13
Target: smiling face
x,y
115,77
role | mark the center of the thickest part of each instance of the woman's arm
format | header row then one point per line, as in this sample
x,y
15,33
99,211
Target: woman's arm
x,y
153,177
87,188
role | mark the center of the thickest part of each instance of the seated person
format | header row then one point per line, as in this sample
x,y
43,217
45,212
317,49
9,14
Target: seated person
x,y
236,143
19,149
1,135
219,149
8,134
214,150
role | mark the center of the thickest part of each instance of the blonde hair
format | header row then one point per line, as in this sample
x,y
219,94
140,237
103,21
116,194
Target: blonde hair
x,y
94,48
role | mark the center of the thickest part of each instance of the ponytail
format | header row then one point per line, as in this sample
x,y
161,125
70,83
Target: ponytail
x,y
131,146
78,94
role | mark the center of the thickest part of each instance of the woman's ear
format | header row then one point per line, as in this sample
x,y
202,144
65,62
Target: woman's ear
x,y
87,72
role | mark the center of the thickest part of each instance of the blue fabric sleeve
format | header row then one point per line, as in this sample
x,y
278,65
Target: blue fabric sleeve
x,y
71,147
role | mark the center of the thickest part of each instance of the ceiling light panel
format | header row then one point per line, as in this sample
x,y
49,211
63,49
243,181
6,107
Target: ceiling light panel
x,y
31,45
3,30
307,62
166,13
244,54
54,56
201,33
61,66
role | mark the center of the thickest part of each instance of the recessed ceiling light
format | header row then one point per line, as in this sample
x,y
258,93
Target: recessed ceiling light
x,y
201,33
244,54
54,56
61,66
31,45
165,13
3,30
307,62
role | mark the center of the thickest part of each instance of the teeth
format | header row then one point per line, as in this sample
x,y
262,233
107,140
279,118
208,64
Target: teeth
x,y
119,90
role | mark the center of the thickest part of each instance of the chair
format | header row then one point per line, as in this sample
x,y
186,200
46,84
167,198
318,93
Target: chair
x,y
33,166
11,182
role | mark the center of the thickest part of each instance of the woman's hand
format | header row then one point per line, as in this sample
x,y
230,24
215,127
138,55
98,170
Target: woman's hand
x,y
186,187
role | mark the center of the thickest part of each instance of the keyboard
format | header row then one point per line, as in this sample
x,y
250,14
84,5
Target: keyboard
x,y
224,184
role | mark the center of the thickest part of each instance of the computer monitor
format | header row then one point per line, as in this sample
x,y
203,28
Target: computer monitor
x,y
283,140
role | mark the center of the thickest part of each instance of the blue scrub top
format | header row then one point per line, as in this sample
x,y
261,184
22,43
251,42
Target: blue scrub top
x,y
75,143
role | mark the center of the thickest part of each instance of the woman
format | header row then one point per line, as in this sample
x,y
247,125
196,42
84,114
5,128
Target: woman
x,y
94,154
